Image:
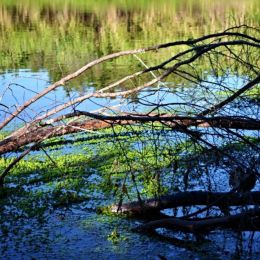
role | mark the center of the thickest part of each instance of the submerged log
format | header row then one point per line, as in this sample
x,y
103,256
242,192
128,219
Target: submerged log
x,y
220,199
245,221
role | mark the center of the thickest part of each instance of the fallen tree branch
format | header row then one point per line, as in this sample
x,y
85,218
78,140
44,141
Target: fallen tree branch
x,y
220,199
246,221
34,134
13,143
199,121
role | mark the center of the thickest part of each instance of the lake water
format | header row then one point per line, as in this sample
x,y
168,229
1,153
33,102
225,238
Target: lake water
x,y
42,41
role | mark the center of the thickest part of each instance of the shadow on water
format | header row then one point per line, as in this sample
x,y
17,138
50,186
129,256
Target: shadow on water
x,y
75,233
40,42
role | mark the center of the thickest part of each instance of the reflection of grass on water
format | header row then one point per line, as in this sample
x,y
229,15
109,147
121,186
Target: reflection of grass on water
x,y
45,33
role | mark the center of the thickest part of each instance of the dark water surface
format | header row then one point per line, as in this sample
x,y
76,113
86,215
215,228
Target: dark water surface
x,y
81,234
40,42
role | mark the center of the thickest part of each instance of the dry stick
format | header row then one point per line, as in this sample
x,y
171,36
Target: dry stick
x,y
82,98
242,26
112,56
147,67
243,138
200,47
236,57
13,163
49,157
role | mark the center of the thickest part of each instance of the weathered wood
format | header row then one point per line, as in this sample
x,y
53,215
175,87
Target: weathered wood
x,y
221,199
227,122
29,135
13,143
246,221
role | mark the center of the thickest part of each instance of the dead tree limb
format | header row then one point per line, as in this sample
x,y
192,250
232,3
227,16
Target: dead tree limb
x,y
13,143
34,134
220,199
246,221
